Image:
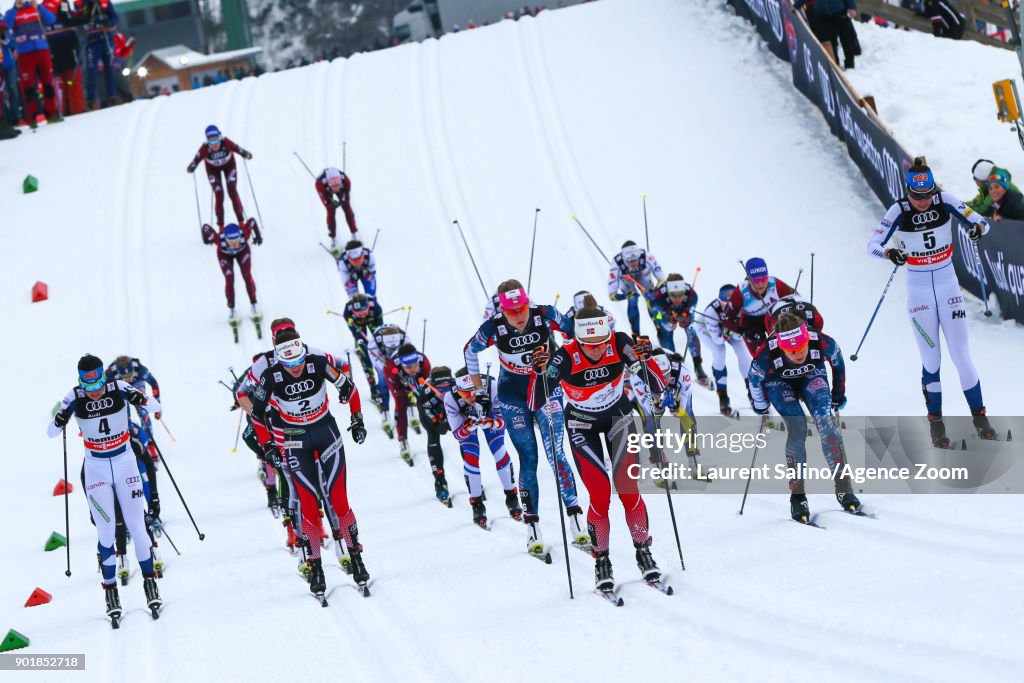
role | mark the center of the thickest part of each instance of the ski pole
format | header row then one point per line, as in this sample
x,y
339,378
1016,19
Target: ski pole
x,y
981,278
224,384
163,530
344,155
164,425
348,362
558,483
304,165
812,277
168,470
330,312
329,252
668,493
799,275
67,516
746,490
471,259
394,310
696,274
375,236
878,306
647,235
423,345
408,312
195,187
533,244
238,431
252,190
591,239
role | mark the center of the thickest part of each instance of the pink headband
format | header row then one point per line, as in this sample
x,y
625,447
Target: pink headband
x,y
512,299
794,340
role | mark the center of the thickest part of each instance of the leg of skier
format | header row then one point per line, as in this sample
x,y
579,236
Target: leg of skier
x,y
785,400
245,267
231,173
227,267
218,196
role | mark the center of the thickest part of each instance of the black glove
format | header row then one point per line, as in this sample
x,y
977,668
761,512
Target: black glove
x,y
761,411
898,257
974,232
838,400
154,507
335,202
642,347
755,337
541,356
357,428
136,398
374,392
247,155
61,418
483,399
191,168
272,454
257,240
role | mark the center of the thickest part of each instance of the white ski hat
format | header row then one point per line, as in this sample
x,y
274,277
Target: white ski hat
x,y
593,330
982,170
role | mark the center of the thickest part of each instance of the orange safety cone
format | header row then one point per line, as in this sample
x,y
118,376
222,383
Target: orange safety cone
x,y
62,487
38,597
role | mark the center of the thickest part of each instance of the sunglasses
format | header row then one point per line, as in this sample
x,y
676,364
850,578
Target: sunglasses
x,y
294,362
516,311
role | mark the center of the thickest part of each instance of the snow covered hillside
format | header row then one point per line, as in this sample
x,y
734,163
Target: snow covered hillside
x,y
483,127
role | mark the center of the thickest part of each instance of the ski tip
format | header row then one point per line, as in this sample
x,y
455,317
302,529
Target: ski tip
x,y
669,590
963,445
1009,435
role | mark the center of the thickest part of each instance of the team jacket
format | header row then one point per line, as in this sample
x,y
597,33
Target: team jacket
x,y
598,386
383,346
745,311
464,417
620,278
362,328
103,422
925,236
219,159
142,377
26,25
771,364
249,229
350,275
327,195
665,313
299,402
399,383
515,350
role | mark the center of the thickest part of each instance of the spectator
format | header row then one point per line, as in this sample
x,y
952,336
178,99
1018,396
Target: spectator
x,y
982,169
100,22
207,80
9,77
947,22
196,85
35,66
220,77
123,49
831,22
1006,203
65,49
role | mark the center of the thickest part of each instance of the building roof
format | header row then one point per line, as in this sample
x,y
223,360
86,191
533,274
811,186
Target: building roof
x,y
180,57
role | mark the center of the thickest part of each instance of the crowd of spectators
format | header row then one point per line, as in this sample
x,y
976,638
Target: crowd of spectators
x,y
997,197
46,44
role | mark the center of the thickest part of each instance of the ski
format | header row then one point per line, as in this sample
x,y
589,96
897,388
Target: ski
x,y
407,457
321,598
257,321
582,546
485,525
115,620
659,586
611,596
234,329
155,610
863,511
812,521
541,553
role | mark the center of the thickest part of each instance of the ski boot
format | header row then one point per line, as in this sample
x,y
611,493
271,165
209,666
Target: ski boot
x,y
317,582
798,508
849,502
938,430
535,540
479,512
723,403
261,473
441,489
153,600
512,503
982,425
272,497
122,568
645,561
580,537
158,564
406,453
113,604
702,377
386,425
603,579
415,424
359,573
335,251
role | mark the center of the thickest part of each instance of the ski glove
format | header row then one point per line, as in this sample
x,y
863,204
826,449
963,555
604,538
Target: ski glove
x,y
541,356
755,337
975,232
761,411
642,347
483,400
61,418
257,240
191,168
247,155
136,398
272,454
154,507
357,428
838,401
898,257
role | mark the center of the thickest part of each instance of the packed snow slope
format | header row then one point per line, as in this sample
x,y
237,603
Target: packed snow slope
x,y
579,112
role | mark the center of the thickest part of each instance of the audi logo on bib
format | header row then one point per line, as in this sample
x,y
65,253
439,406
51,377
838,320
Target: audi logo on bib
x,y
796,372
595,373
524,340
925,217
298,387
93,406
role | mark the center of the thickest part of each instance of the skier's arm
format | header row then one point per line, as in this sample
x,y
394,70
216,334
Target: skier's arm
x,y
560,322
886,227
834,356
147,404
657,275
483,338
759,370
200,155
233,147
67,409
347,392
149,379
652,377
615,284
456,420
964,212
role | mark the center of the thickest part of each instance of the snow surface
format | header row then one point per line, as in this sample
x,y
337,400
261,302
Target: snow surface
x,y
481,126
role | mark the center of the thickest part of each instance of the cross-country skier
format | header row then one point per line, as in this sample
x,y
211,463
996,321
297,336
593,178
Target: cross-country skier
x,y
465,416
671,305
111,471
218,153
383,344
516,331
132,371
717,337
334,188
405,370
920,226
307,438
363,315
632,269
750,302
233,245
790,368
592,369
357,265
